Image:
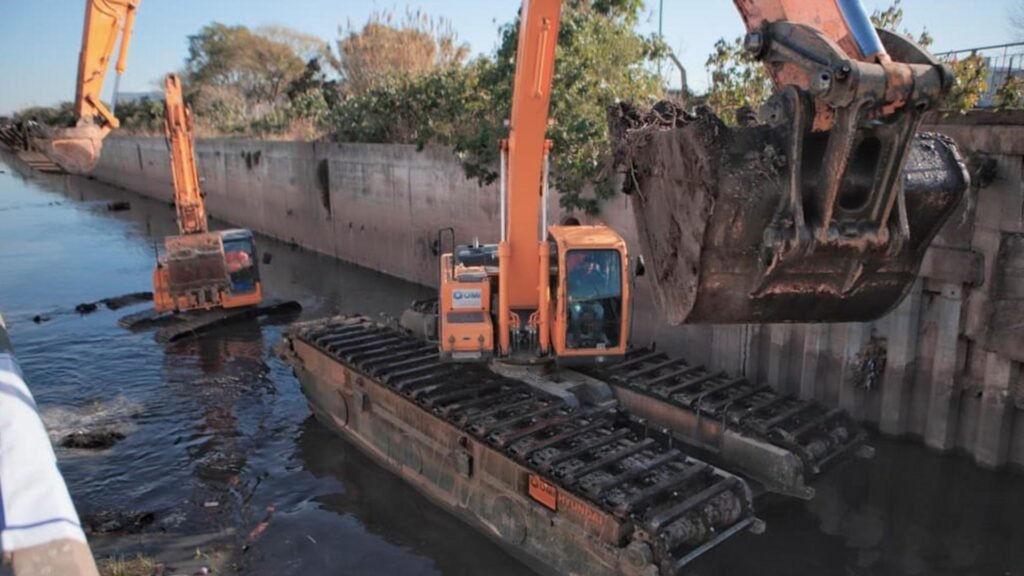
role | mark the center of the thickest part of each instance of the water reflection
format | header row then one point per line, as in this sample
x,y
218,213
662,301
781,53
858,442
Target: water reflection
x,y
907,512
353,489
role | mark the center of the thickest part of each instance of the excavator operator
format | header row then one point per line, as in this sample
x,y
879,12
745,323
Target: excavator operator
x,y
594,294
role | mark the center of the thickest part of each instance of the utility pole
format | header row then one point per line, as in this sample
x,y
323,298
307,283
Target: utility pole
x,y
661,6
661,37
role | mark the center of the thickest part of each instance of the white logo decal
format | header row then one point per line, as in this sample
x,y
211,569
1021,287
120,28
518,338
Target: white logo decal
x,y
466,298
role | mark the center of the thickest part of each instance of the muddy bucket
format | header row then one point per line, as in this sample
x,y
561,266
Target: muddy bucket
x,y
76,150
761,224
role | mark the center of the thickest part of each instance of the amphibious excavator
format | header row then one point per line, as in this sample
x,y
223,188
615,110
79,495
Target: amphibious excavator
x,y
515,400
204,278
77,148
201,270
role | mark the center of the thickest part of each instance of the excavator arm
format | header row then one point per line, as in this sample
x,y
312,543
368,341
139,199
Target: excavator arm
x,y
105,22
178,130
77,148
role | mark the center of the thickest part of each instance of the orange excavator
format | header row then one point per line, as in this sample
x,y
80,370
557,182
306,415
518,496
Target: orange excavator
x,y
818,209
203,279
201,270
77,148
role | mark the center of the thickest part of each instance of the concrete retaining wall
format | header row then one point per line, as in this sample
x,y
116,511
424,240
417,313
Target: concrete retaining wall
x,y
945,366
378,206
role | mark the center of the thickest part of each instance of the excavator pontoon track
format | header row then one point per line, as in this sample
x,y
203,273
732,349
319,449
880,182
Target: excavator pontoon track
x,y
781,441
560,484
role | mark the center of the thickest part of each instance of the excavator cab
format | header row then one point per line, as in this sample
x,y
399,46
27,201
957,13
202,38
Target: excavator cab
x,y
589,294
587,301
240,261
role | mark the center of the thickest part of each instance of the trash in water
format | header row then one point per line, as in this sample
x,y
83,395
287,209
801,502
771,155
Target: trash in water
x,y
85,308
92,440
112,522
119,206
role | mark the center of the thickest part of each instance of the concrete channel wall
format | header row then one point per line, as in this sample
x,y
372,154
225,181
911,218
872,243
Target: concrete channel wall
x,y
944,367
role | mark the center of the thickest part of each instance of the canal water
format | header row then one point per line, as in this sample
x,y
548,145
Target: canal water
x,y
222,463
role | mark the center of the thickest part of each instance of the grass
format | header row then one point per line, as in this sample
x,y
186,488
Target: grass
x,y
138,566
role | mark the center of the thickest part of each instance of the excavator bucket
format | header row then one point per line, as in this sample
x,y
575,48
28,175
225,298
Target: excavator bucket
x,y
817,208
76,149
722,240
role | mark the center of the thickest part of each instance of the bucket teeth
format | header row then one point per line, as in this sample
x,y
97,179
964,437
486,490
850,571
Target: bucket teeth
x,y
778,223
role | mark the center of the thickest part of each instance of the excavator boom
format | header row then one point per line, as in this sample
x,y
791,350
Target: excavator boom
x,y
178,128
77,148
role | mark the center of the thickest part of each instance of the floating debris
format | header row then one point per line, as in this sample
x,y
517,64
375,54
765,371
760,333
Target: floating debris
x,y
114,522
86,307
92,440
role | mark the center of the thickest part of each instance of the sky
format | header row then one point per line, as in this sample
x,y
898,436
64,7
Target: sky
x,y
40,38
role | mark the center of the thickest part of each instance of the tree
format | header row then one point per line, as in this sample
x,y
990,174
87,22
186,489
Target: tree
x,y
737,79
972,75
1011,93
892,18
383,49
600,60
144,115
62,114
306,46
260,67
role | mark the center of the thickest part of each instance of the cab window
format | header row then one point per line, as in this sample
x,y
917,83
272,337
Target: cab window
x,y
240,259
594,298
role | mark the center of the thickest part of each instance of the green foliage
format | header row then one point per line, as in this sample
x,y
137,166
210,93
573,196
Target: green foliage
x,y
243,81
385,48
1011,93
737,79
220,110
260,67
892,18
62,114
143,116
412,109
600,60
971,83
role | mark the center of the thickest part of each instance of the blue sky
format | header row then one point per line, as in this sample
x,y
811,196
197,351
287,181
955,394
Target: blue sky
x,y
40,39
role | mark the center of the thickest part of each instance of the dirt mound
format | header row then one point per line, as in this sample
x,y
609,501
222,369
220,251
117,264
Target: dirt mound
x,y
667,154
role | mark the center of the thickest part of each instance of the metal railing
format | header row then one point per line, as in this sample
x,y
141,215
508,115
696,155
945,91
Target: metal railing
x,y
1002,61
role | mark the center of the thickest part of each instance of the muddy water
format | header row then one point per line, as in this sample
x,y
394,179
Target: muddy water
x,y
222,464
